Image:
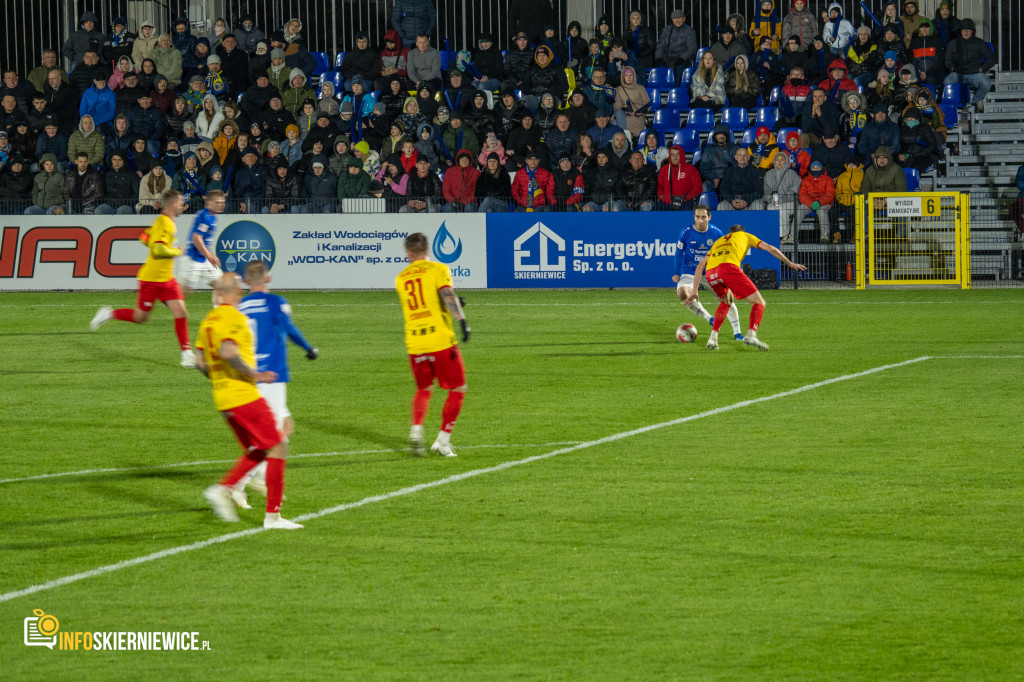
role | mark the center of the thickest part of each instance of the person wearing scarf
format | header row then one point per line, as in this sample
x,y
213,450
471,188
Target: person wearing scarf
x,y
764,149
189,181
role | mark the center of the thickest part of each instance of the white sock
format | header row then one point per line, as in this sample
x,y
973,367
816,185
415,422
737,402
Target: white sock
x,y
699,310
416,432
713,336
443,438
734,318
259,470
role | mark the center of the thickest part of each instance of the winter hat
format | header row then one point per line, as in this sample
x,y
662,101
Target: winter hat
x,y
967,25
393,159
375,186
485,38
678,14
891,27
379,108
277,53
310,101
363,147
532,154
291,127
519,35
453,72
925,21
456,115
727,29
196,78
864,29
262,47
763,130
357,79
353,161
248,151
816,164
346,107
213,59
891,54
494,155
317,163
323,114
882,72
880,107
912,112
791,135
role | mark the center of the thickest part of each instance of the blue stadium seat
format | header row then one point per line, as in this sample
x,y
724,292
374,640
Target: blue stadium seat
x,y
951,114
323,63
662,78
700,53
748,137
688,139
956,94
773,98
695,158
931,88
448,58
655,96
701,119
767,116
338,59
335,78
642,137
913,179
736,118
686,75
708,199
679,99
665,121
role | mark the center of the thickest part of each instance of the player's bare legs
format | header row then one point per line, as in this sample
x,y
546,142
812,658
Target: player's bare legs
x,y
420,403
452,406
698,309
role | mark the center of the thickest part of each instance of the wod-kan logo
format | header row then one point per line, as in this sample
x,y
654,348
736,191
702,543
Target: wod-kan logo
x,y
243,242
446,249
539,249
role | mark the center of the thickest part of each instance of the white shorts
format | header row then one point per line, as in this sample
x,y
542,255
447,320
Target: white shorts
x,y
197,275
687,281
276,395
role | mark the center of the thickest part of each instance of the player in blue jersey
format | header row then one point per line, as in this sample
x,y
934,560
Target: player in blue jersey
x,y
270,319
200,265
694,243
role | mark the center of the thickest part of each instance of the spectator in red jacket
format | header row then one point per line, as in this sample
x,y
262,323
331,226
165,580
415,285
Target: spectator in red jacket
x,y
799,159
679,183
534,188
817,193
837,81
393,62
459,186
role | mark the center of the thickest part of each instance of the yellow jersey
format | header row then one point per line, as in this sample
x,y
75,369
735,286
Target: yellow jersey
x,y
731,248
428,324
230,389
157,268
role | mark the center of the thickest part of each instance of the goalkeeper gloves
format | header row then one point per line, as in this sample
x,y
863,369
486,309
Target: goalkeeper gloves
x,y
312,353
462,302
465,331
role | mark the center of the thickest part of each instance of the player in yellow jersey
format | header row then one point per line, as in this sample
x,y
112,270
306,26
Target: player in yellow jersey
x,y
227,357
429,303
724,275
156,278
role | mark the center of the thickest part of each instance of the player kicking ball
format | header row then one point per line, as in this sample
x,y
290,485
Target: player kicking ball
x,y
270,319
724,275
156,278
694,243
228,359
429,303
200,265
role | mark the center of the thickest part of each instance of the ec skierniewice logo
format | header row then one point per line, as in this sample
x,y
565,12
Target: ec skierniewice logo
x,y
539,249
446,249
242,242
41,629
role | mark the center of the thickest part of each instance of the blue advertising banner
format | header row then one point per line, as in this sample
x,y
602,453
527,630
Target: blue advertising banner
x,y
591,250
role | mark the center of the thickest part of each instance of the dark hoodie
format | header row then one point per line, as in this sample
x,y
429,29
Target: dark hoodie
x,y
919,147
575,48
184,41
81,41
15,186
489,62
548,78
640,41
396,58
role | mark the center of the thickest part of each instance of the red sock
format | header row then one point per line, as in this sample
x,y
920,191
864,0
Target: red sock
x,y
756,313
451,410
420,403
124,314
181,330
243,466
720,313
275,484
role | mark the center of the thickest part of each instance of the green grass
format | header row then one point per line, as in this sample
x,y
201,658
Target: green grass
x,y
866,529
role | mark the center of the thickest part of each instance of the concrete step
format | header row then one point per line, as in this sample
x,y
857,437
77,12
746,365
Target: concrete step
x,y
1009,77
981,172
1004,138
1006,93
985,159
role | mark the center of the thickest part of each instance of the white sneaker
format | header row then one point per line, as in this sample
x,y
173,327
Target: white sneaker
x,y
275,522
188,359
239,497
443,450
219,497
102,316
755,342
712,344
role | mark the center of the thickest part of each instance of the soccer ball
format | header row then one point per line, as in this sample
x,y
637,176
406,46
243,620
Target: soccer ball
x,y
686,333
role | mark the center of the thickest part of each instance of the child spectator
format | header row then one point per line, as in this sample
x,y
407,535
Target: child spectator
x,y
800,22
848,186
838,31
817,193
393,60
427,146
919,147
767,24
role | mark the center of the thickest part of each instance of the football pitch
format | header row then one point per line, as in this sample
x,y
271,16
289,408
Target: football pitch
x,y
623,506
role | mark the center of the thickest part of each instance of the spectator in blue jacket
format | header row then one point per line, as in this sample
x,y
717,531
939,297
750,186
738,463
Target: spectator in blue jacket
x,y
51,141
603,130
183,39
879,132
412,18
98,101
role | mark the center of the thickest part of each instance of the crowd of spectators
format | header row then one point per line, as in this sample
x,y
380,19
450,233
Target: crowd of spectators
x,y
557,122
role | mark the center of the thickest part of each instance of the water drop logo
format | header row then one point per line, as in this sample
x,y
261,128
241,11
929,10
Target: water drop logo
x,y
242,242
446,249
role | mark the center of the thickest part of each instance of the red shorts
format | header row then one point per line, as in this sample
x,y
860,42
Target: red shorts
x,y
444,365
254,425
728,277
150,292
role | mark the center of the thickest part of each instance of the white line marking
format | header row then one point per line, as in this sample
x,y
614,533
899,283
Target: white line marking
x,y
175,465
163,554
977,357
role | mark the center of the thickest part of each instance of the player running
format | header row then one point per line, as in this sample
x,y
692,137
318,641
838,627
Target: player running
x,y
200,266
270,320
724,276
227,358
429,303
693,245
156,278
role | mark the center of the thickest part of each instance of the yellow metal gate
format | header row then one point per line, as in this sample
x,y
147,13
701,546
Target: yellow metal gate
x,y
914,238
